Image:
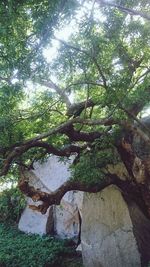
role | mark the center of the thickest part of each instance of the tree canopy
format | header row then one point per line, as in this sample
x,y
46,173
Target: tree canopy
x,y
82,100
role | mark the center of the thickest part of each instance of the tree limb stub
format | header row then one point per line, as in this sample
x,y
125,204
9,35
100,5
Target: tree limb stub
x,y
76,109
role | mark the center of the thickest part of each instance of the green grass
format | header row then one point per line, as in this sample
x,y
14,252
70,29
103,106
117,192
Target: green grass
x,y
21,250
72,262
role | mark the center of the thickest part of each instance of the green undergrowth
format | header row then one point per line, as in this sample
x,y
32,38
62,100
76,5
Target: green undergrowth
x,y
72,262
12,204
21,250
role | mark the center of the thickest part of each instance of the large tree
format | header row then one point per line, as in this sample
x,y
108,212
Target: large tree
x,y
86,101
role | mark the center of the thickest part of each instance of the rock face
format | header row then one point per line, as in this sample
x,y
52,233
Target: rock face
x,y
107,231
36,223
110,227
62,220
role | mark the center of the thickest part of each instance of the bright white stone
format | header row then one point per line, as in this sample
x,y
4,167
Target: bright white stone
x,y
62,219
107,232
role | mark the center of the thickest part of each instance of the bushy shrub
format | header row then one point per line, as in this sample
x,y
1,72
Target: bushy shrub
x,y
12,203
21,250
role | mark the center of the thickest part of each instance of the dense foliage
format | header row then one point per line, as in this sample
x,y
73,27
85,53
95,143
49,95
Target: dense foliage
x,y
91,90
26,28
81,95
19,250
12,203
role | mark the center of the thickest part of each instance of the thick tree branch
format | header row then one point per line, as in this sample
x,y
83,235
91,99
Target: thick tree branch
x,y
65,128
55,197
76,109
74,135
132,63
66,151
125,9
139,122
136,106
18,151
61,128
58,90
138,170
135,130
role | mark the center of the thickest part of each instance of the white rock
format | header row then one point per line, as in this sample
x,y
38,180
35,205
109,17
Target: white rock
x,y
36,223
62,219
107,232
66,218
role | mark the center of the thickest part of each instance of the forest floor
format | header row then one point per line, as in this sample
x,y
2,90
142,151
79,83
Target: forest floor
x,y
18,249
72,262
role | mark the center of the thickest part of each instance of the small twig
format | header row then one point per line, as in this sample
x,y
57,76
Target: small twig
x,y
61,92
78,49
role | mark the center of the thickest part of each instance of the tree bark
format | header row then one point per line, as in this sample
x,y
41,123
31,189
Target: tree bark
x,y
141,230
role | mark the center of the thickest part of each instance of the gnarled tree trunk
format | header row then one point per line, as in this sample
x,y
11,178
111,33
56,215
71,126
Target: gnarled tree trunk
x,y
131,177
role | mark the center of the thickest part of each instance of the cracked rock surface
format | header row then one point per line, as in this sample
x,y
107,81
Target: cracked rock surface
x,y
107,231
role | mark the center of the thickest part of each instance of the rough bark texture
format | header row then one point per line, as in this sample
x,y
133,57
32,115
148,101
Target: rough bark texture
x,y
133,148
141,229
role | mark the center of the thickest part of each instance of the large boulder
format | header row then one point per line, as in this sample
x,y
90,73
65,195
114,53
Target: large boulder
x,y
107,231
63,220
32,221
